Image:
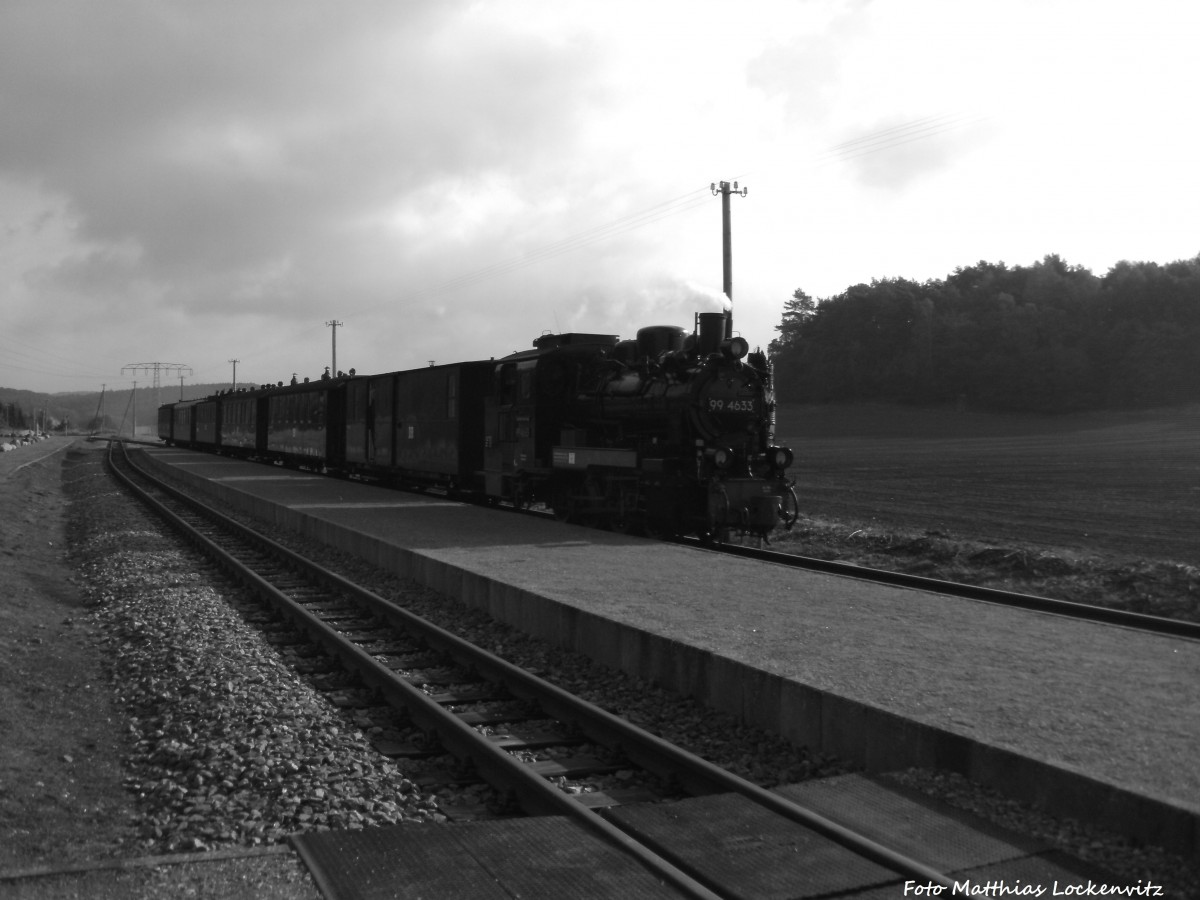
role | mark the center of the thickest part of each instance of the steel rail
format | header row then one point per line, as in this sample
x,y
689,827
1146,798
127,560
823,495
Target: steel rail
x,y
1032,602
653,753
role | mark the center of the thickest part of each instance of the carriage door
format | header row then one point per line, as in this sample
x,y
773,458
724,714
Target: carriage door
x,y
509,415
381,416
498,430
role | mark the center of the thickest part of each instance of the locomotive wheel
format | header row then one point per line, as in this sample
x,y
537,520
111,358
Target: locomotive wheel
x,y
627,525
662,529
564,506
594,515
628,520
522,493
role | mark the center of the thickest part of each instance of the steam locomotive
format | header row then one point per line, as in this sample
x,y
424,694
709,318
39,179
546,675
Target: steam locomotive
x,y
671,433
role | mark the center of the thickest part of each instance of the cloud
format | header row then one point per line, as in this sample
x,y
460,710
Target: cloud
x,y
211,134
802,75
224,157
449,178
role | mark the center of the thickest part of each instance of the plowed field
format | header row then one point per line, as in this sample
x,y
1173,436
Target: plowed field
x,y
1120,483
1068,505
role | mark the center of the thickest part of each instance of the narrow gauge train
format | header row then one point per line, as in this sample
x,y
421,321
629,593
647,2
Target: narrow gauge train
x,y
671,433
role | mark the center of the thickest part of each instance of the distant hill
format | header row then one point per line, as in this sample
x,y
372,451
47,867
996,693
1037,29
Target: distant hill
x,y
86,411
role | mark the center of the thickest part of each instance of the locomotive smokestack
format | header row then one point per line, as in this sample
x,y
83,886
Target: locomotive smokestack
x,y
712,331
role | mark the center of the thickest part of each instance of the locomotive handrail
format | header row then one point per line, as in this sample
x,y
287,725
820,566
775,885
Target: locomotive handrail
x,y
789,521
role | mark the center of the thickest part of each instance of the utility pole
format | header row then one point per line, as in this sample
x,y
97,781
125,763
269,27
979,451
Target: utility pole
x,y
724,190
99,417
234,361
156,369
334,323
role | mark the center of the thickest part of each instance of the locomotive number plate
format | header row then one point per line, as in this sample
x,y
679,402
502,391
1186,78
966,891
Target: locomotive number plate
x,y
741,405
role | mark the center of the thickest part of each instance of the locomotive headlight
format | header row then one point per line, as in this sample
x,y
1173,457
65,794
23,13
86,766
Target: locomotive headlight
x,y
781,457
722,457
735,347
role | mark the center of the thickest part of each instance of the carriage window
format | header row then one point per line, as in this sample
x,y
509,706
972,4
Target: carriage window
x,y
508,384
451,396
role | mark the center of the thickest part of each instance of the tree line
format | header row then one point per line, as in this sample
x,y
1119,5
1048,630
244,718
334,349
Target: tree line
x,y
1048,337
12,416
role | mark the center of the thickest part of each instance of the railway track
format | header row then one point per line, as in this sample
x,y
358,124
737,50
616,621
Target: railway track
x,y
1082,611
388,649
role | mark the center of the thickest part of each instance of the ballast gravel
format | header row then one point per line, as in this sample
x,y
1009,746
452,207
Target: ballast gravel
x,y
231,747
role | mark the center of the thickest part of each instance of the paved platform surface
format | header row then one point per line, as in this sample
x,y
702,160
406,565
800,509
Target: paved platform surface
x,y
1092,720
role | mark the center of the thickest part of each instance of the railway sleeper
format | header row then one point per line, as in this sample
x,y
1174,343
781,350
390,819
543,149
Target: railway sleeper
x,y
575,767
480,694
477,718
434,676
405,750
617,797
535,740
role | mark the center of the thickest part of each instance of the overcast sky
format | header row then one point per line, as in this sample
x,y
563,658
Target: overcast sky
x,y
194,182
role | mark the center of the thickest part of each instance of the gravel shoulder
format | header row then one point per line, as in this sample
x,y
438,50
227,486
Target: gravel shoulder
x,y
61,793
64,802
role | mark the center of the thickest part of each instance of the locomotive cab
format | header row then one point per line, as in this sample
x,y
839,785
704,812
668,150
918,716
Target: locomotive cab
x,y
527,409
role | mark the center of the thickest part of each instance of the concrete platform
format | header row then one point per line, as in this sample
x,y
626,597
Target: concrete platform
x,y
1088,720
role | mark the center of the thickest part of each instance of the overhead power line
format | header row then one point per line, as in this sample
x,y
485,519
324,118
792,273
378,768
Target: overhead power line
x,y
898,135
156,369
27,358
